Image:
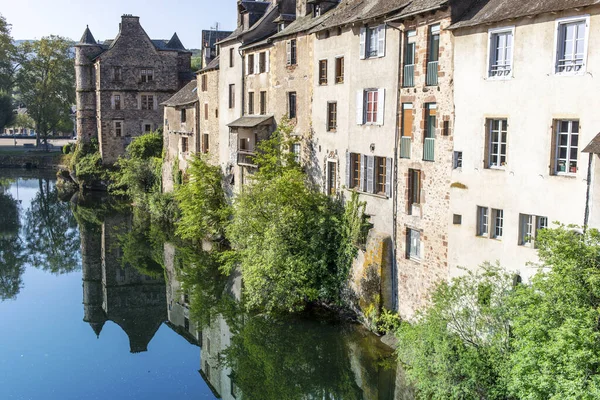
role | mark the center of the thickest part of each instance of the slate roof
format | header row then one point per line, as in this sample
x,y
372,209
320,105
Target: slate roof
x,y
593,146
302,24
418,6
489,11
214,64
187,95
87,37
250,121
175,43
257,10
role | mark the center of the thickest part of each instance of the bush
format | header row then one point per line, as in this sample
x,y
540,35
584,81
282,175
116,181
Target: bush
x,y
66,149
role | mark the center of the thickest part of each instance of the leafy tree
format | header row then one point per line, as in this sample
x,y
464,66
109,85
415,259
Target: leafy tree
x,y
12,259
458,347
46,82
7,115
23,121
7,58
86,162
556,328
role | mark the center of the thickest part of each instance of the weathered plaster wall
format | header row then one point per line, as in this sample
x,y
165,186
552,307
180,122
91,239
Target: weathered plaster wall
x,y
210,126
229,75
174,132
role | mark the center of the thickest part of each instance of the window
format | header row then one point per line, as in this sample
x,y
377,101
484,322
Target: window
x,y
206,111
250,103
501,52
231,50
263,103
372,42
498,223
433,53
414,186
291,52
296,147
250,64
529,226
118,128
231,95
147,75
430,120
262,62
482,221
216,113
339,70
205,143
331,116
457,159
147,102
456,219
409,59
183,115
184,144
117,74
316,10
567,141
380,175
323,72
571,45
371,106
497,143
186,323
292,105
413,244
147,128
446,128
280,26
204,83
331,177
116,102
355,170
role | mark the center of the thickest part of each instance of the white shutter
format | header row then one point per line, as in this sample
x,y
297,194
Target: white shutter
x,y
388,177
288,50
363,41
112,101
381,40
380,106
267,62
370,174
348,169
359,107
363,173
257,63
247,70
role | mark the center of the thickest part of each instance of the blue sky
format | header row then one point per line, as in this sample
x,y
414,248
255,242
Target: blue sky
x,y
33,19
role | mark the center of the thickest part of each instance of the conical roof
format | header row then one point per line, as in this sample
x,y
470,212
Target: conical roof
x,y
87,37
175,43
97,327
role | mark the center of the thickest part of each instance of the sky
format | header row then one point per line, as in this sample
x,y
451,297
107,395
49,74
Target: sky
x,y
33,19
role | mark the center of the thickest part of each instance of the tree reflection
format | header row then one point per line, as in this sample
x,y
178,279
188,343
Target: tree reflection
x,y
50,231
12,259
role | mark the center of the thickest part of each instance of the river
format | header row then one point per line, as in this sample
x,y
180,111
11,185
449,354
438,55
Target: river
x,y
96,304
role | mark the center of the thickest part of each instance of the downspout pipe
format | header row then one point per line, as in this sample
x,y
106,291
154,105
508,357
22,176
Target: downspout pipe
x,y
587,193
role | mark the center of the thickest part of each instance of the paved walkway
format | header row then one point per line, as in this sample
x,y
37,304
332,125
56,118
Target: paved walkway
x,y
8,144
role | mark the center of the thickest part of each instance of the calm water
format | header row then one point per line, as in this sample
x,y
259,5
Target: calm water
x,y
95,305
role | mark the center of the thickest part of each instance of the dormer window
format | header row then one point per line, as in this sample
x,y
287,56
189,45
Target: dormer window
x,y
280,26
316,10
147,75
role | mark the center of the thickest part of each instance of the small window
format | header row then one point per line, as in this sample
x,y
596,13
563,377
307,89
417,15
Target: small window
x,y
498,223
430,120
446,128
409,59
292,105
457,159
231,54
183,115
433,54
291,52
497,135
571,46
355,170
296,148
380,175
371,97
206,111
117,74
331,116
413,244
501,50
147,75
482,221
262,62
567,147
339,70
147,102
118,128
529,227
250,64
372,42
204,83
263,103
147,128
184,144
231,95
250,103
205,143
457,219
186,323
414,186
117,101
323,72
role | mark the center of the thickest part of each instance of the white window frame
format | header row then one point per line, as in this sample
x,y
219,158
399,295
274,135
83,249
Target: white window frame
x,y
529,225
497,223
122,127
413,244
366,44
557,146
483,221
558,46
361,106
492,53
490,143
457,159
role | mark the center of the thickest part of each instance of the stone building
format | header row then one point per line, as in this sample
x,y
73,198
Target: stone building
x,y
121,83
526,110
208,98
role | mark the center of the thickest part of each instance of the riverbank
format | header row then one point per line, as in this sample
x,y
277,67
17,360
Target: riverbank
x,y
32,159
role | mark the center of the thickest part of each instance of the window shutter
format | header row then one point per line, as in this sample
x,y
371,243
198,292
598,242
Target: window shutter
x,y
363,172
407,120
388,177
257,64
267,63
381,40
359,107
380,105
370,174
288,50
363,37
247,70
348,169
112,101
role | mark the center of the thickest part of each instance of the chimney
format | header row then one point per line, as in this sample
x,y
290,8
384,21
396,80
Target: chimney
x,y
129,23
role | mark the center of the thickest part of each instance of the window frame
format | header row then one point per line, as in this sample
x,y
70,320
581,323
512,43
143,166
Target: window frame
x,y
558,47
262,62
184,144
263,102
117,101
497,223
231,95
145,104
457,159
251,103
374,101
147,75
231,57
250,62
414,187
292,100
492,53
118,130
204,83
410,246
356,170
569,147
323,72
490,143
380,179
483,221
331,177
339,70
331,116
183,116
529,225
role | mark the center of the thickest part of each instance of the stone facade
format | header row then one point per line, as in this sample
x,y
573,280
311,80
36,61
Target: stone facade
x,y
121,84
208,103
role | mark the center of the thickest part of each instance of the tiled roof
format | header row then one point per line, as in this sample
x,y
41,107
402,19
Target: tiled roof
x,y
489,11
187,95
87,37
175,43
593,146
250,121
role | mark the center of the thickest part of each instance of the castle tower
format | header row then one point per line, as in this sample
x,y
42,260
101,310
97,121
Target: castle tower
x,y
91,265
85,83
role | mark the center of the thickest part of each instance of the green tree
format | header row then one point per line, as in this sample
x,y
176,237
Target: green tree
x,y
23,121
12,258
458,347
7,58
46,82
556,321
7,108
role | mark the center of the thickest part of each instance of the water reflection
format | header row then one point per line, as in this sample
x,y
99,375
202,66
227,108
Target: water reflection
x,y
12,259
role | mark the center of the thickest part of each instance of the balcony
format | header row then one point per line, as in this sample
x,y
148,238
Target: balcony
x,y
428,149
245,157
432,73
405,143
409,76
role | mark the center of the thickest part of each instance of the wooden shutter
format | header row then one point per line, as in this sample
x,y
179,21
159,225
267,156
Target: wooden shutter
x,y
348,169
380,106
381,41
247,70
363,41
388,177
256,63
267,63
288,50
359,107
370,174
407,120
363,172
